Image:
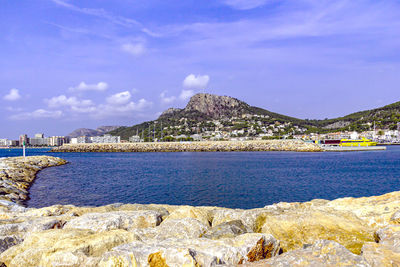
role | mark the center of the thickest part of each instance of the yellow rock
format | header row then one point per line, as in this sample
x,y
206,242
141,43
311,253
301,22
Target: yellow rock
x,y
63,247
295,228
201,214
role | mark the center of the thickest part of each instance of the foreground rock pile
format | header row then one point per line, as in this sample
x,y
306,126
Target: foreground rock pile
x,y
17,174
343,232
259,145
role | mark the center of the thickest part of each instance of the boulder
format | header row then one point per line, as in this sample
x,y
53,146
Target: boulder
x,y
61,247
226,230
185,228
127,220
199,213
193,252
297,227
322,253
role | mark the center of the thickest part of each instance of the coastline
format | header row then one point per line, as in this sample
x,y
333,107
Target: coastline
x,y
203,146
346,231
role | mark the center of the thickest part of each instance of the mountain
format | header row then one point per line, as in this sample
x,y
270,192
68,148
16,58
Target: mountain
x,y
91,132
386,117
208,114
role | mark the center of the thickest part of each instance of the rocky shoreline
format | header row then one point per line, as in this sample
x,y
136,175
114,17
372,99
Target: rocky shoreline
x,y
206,146
343,232
18,173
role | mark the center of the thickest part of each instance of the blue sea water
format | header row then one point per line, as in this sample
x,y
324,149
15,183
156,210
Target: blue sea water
x,y
232,179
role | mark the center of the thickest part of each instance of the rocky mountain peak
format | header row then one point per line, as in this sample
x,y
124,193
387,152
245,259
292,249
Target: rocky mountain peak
x,y
170,111
216,106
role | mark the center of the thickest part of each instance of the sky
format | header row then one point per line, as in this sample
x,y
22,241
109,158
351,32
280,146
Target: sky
x,y
70,64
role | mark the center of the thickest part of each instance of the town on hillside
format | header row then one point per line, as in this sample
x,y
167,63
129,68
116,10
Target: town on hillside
x,y
234,129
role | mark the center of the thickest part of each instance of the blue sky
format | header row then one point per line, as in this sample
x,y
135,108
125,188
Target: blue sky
x,y
71,64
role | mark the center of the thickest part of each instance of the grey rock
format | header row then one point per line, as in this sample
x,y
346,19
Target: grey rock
x,y
126,220
322,253
8,241
226,230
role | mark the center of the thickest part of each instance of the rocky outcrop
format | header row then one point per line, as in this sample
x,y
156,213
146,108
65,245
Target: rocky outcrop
x,y
212,146
342,232
215,106
18,173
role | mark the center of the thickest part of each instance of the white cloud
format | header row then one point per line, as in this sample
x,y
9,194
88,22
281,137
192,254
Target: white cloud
x,y
245,4
12,95
134,49
167,99
196,82
62,100
119,98
101,86
120,110
186,94
38,114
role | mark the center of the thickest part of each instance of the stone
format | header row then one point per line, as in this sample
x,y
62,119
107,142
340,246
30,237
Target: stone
x,y
201,214
185,228
322,253
64,248
226,230
127,220
29,225
395,218
9,241
380,255
194,252
297,227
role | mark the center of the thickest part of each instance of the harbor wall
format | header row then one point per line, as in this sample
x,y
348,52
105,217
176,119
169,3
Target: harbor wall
x,y
206,146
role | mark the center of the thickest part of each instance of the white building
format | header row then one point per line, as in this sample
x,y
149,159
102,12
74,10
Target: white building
x,y
107,138
5,142
134,139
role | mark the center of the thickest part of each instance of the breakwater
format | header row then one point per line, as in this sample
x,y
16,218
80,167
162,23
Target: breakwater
x,y
342,232
207,146
18,173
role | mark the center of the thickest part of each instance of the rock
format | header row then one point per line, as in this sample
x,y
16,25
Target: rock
x,y
193,252
322,253
127,220
380,255
395,218
61,247
226,230
298,227
201,214
29,225
186,228
8,241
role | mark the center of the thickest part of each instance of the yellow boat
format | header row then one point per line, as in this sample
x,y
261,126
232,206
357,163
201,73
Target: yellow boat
x,y
359,142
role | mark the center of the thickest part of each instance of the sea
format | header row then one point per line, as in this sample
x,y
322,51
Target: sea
x,y
225,179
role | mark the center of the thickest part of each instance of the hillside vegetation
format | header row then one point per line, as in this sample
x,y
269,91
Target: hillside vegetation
x,y
207,114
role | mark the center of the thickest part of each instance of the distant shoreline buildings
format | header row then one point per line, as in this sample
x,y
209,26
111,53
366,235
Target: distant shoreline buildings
x,y
39,139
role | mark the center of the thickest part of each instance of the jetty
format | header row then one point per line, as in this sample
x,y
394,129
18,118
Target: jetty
x,y
203,146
